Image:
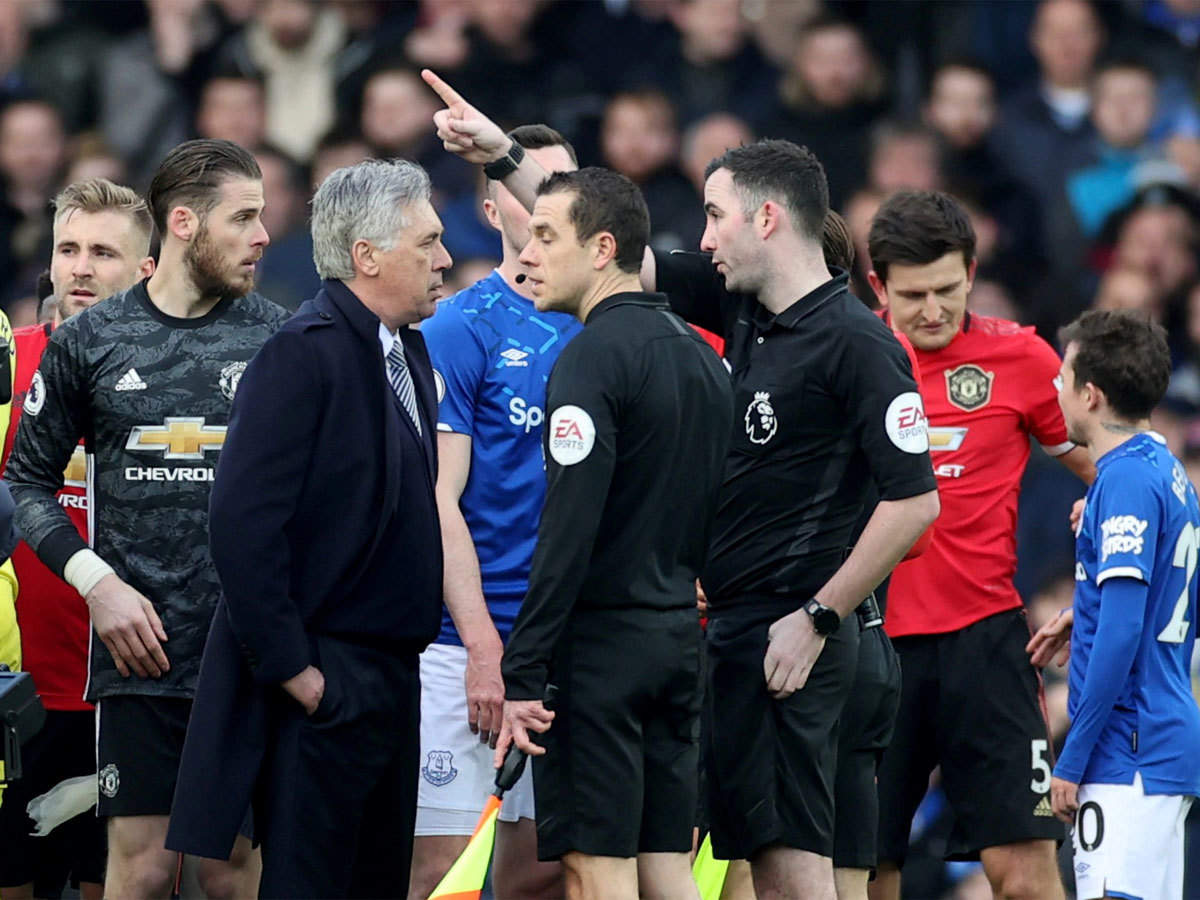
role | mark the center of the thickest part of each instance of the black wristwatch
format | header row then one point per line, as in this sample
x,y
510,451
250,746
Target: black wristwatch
x,y
825,619
499,169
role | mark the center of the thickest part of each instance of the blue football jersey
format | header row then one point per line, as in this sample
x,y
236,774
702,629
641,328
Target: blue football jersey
x,y
1140,521
492,353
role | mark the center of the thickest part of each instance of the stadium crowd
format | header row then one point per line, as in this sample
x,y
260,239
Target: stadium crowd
x,y
1069,130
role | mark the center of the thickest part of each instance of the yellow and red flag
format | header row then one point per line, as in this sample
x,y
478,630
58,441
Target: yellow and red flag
x,y
465,879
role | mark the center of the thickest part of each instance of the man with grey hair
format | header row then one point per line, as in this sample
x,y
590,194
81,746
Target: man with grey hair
x,y
324,532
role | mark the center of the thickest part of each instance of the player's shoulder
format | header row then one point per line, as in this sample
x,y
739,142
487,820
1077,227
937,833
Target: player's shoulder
x,y
1006,337
258,308
28,336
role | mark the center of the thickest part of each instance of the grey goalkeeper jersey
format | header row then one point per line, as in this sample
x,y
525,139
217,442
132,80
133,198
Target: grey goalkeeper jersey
x,y
149,394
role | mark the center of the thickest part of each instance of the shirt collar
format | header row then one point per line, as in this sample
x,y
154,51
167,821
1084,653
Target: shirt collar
x,y
387,339
809,303
637,298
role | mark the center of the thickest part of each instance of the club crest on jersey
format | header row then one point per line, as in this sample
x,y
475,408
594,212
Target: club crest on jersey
x,y
231,376
969,387
110,780
35,398
761,423
439,768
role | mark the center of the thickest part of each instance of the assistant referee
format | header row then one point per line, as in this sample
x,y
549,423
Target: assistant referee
x,y
634,465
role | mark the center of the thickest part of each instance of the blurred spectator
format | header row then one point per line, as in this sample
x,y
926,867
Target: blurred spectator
x,y
830,97
295,45
1123,104
1160,240
32,157
1124,287
467,234
397,113
903,156
233,108
991,298
705,140
467,271
337,150
709,64
962,109
639,139
1183,392
439,40
1044,131
860,209
286,273
775,26
91,157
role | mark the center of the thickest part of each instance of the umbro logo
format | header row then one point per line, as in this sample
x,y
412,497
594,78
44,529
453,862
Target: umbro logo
x,y
514,357
130,381
1043,807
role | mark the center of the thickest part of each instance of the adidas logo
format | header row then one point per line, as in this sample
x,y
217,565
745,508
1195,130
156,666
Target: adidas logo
x,y
130,381
1044,808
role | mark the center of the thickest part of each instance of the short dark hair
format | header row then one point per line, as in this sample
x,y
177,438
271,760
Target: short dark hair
x,y
605,201
538,136
191,174
836,242
964,64
782,171
917,227
1126,63
1124,354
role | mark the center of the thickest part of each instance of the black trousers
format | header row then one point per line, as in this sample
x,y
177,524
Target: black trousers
x,y
337,808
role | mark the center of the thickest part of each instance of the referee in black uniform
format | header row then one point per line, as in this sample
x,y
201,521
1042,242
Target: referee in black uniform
x,y
826,411
634,465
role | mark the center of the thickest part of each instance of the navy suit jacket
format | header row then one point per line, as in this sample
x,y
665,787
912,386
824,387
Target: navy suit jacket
x,y
323,522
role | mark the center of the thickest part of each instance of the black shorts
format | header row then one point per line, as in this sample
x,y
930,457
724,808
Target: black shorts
x,y
770,763
972,703
619,774
864,732
64,748
139,744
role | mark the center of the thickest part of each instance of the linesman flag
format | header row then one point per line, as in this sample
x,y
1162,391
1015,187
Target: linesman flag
x,y
465,879
709,872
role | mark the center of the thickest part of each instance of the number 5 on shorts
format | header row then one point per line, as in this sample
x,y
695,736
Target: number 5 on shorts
x,y
1041,766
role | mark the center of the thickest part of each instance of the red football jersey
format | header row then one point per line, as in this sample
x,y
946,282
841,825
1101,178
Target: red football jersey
x,y
55,626
984,394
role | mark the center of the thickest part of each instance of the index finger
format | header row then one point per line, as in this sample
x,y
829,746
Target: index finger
x,y
448,94
150,642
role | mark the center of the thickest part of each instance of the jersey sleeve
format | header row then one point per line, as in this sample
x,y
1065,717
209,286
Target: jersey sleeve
x,y
874,382
583,401
459,365
1042,416
1127,511
695,291
55,418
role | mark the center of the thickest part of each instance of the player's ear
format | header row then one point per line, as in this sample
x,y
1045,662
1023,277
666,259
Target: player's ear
x,y
878,286
146,267
491,213
768,218
971,274
183,222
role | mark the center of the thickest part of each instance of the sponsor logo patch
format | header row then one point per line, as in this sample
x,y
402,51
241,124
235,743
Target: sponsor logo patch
x,y
179,437
906,424
439,768
1043,807
1122,534
941,438
761,423
512,357
35,399
110,780
969,387
572,435
439,385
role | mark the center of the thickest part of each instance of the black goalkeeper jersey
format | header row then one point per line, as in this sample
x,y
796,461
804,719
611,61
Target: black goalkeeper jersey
x,y
149,394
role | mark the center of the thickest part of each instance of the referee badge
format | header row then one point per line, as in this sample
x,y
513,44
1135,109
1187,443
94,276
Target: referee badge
x,y
969,387
761,423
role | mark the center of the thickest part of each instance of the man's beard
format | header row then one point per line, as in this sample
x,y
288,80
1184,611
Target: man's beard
x,y
210,274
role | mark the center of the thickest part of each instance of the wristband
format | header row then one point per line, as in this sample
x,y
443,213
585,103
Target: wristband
x,y
84,570
499,169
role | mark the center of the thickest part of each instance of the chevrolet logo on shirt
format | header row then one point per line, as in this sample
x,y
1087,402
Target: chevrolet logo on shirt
x,y
177,438
946,438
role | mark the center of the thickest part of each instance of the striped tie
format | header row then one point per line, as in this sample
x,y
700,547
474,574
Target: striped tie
x,y
401,381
